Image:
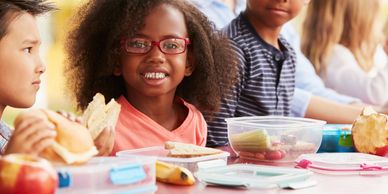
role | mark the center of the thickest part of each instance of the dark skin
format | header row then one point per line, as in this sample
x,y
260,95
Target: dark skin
x,y
156,97
268,16
94,56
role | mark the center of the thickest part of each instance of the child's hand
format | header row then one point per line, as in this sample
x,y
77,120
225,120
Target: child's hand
x,y
105,141
32,136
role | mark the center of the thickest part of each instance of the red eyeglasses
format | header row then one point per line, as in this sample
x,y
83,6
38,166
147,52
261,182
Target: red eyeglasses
x,y
170,46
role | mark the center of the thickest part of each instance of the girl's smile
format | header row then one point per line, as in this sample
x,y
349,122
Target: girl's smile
x,y
156,72
154,78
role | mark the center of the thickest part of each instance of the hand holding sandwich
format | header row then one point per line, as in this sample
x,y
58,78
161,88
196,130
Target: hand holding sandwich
x,y
72,143
33,135
100,119
104,141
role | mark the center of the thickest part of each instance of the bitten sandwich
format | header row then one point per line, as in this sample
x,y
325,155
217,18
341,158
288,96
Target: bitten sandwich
x,y
73,143
99,115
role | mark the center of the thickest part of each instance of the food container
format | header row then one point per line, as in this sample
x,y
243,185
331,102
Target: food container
x,y
252,176
337,138
274,138
109,175
193,164
351,163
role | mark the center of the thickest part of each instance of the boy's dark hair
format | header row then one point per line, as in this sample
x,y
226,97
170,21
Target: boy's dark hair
x,y
9,9
94,43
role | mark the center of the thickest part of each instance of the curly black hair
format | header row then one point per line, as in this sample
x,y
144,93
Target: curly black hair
x,y
9,9
93,44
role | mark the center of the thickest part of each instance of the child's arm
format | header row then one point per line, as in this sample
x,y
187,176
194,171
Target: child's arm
x,y
332,112
32,136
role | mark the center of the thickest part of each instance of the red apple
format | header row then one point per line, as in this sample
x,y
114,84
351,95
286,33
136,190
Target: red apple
x,y
25,174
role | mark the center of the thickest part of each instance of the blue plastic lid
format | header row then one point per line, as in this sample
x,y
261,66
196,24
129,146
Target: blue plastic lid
x,y
127,174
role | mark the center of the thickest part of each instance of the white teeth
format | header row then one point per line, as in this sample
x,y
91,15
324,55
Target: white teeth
x,y
155,75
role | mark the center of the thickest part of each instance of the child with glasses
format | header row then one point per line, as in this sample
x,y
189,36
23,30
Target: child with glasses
x,y
161,60
20,69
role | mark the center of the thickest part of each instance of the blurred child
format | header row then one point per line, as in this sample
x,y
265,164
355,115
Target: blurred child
x,y
21,68
340,39
161,60
266,63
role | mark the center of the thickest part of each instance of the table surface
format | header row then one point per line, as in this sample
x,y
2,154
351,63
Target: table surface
x,y
326,184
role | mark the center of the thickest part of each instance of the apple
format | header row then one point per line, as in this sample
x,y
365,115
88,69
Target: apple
x,y
26,174
370,133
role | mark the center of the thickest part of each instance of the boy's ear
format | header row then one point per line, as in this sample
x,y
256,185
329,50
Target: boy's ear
x,y
189,65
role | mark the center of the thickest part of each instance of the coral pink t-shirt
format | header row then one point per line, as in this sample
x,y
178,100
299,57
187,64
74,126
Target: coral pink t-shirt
x,y
136,130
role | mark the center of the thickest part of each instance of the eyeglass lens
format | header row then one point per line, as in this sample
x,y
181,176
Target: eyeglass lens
x,y
168,46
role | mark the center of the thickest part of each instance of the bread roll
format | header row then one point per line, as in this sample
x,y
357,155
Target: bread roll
x,y
73,143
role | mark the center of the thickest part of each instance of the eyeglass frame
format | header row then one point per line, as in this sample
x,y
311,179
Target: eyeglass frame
x,y
123,43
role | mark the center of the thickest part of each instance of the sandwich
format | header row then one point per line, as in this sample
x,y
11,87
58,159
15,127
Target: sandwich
x,y
73,143
184,150
99,115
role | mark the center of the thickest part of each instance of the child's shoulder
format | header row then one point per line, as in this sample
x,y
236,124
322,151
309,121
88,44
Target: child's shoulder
x,y
188,105
235,28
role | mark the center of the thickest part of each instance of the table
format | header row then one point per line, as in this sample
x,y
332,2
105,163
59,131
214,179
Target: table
x,y
327,184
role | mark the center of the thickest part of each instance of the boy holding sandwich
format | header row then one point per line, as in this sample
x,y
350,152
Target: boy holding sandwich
x,y
21,68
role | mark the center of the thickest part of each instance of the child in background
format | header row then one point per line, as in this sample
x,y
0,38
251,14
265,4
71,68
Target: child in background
x,y
341,40
21,68
161,60
266,63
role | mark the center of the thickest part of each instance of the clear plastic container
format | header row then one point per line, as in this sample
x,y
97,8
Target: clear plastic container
x,y
252,176
344,163
109,175
193,164
274,138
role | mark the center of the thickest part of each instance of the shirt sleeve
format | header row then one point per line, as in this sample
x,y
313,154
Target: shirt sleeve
x,y
308,80
305,75
5,135
217,128
300,102
203,132
344,75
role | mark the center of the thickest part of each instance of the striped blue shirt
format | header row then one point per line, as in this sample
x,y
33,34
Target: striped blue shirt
x,y
266,80
5,135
